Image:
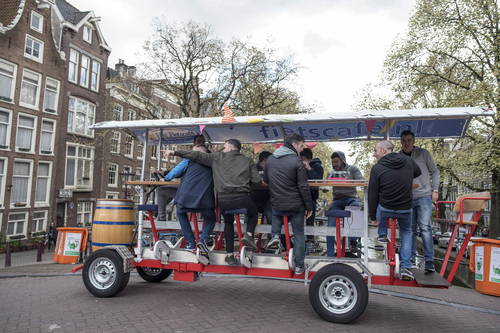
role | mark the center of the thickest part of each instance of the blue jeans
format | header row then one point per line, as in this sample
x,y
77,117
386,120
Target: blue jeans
x,y
422,213
405,233
299,241
208,215
339,204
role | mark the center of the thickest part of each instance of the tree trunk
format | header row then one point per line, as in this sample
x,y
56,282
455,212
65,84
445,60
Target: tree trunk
x,y
494,231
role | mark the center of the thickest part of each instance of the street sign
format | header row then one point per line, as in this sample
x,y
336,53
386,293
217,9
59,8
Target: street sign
x,y
65,193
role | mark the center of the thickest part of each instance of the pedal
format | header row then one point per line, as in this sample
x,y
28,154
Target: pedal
x,y
202,258
291,260
162,251
246,257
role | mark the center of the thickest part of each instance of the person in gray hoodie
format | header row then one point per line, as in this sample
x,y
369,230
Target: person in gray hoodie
x,y
424,194
342,196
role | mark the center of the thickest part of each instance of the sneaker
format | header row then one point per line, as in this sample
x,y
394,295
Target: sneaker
x,y
429,268
274,243
203,248
299,270
190,247
382,238
231,259
247,240
407,274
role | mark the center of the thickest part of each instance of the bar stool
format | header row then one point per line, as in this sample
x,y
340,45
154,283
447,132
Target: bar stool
x,y
337,216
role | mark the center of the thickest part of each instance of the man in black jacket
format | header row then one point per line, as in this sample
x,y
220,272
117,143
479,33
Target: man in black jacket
x,y
233,174
390,192
290,193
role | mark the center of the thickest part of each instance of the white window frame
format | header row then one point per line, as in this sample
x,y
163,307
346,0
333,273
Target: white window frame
x,y
33,220
71,129
112,195
127,144
33,137
40,17
54,122
86,210
117,168
97,75
90,160
87,28
140,148
9,130
73,65
13,76
40,49
131,114
84,71
117,107
39,85
111,148
45,203
25,225
173,159
4,181
30,184
58,84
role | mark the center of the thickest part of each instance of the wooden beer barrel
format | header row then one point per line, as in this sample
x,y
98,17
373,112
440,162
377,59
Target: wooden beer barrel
x,y
114,222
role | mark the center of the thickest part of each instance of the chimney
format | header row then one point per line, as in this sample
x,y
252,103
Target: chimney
x,y
120,67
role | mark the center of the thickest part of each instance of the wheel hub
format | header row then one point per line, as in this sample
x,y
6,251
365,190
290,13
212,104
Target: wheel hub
x,y
102,273
338,294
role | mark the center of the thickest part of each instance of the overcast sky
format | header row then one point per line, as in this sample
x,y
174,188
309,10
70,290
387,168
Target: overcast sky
x,y
341,44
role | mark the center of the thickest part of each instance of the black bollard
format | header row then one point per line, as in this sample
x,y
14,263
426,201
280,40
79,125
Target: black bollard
x,y
7,254
39,252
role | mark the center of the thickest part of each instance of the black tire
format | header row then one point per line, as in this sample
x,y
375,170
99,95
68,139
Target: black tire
x,y
151,274
338,293
103,273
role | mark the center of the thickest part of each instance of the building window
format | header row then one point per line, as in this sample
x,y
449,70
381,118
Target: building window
x,y
154,150
112,195
87,34
113,175
73,66
33,49
117,112
39,221
95,75
25,137
129,145
5,125
115,142
84,213
16,224
7,80
36,22
47,137
81,116
51,97
84,71
3,172
30,89
130,114
140,148
42,191
79,167
21,183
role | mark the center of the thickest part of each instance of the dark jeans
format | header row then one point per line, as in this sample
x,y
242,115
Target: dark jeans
x,y
264,207
165,194
340,204
310,222
208,215
296,219
232,202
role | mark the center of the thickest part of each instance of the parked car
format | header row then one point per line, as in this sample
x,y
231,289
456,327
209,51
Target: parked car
x,y
445,239
435,236
467,250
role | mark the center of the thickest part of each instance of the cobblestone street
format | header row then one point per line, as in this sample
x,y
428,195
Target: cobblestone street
x,y
223,304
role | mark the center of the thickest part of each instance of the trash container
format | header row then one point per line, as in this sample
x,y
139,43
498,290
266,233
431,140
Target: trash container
x,y
485,262
70,243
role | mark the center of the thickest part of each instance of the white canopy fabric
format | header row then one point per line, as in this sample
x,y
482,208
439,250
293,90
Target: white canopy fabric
x,y
425,123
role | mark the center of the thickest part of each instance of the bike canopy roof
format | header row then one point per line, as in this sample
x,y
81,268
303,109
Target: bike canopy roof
x,y
319,127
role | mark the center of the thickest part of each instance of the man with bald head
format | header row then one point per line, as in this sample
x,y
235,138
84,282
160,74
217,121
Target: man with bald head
x,y
390,192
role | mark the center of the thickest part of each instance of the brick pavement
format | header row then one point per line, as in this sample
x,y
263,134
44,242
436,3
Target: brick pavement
x,y
213,304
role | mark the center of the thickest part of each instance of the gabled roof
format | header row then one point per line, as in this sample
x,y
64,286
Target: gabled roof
x,y
10,13
70,13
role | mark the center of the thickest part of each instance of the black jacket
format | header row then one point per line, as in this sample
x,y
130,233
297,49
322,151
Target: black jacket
x,y
316,172
287,179
391,182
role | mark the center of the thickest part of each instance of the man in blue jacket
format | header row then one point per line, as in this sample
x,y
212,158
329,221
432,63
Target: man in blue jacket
x,y
195,193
